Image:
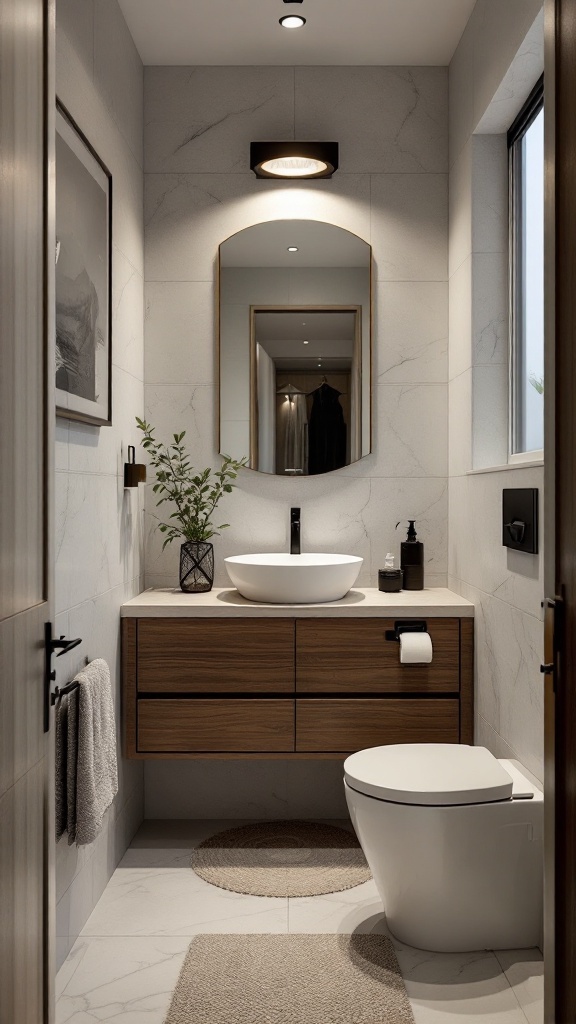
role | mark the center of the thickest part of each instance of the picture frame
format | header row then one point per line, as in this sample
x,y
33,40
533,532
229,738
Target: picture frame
x,y
83,277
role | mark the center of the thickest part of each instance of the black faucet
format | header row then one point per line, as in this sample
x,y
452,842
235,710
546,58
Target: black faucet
x,y
294,531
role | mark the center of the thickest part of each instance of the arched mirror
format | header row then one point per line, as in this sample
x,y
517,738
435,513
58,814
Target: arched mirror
x,y
295,347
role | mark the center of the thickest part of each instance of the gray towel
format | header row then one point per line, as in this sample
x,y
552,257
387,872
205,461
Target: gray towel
x,y
86,767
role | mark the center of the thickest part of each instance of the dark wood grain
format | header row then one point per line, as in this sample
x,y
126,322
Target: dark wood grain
x,y
349,725
129,685
466,680
216,655
216,725
560,493
348,655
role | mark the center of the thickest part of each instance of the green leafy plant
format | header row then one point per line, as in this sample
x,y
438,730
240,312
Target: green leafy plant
x,y
195,494
537,383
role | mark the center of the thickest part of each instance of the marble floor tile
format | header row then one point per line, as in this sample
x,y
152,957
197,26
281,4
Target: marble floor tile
x,y
358,909
128,980
175,901
467,988
125,964
524,969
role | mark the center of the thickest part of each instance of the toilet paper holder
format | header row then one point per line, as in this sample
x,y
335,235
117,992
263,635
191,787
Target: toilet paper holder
x,y
406,626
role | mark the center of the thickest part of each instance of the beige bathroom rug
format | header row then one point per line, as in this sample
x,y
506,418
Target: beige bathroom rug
x,y
282,858
290,979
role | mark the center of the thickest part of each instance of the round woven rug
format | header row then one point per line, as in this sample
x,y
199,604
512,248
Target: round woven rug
x,y
282,858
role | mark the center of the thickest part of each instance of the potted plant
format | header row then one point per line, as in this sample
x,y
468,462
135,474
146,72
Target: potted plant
x,y
195,496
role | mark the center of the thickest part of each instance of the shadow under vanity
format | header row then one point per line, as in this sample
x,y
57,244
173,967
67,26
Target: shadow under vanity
x,y
218,676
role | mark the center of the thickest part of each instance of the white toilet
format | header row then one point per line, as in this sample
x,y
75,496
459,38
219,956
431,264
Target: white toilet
x,y
453,838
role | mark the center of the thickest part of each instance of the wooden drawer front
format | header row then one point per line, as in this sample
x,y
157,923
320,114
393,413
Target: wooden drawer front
x,y
216,655
349,725
353,655
213,725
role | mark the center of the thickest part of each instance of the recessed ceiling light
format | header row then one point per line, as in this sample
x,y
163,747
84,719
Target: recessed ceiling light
x,y
294,159
305,343
292,21
292,248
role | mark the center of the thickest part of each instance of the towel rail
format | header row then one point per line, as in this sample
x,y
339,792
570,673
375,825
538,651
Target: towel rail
x,y
52,644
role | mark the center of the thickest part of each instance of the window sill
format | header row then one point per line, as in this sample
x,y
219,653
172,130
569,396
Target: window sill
x,y
536,464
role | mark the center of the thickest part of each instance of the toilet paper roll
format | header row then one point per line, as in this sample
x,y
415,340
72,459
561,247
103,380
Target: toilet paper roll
x,y
415,648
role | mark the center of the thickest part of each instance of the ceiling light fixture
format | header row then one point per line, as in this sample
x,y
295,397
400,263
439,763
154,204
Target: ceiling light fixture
x,y
305,343
293,159
292,248
292,21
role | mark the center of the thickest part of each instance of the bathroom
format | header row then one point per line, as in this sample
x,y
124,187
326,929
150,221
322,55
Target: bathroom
x,y
166,101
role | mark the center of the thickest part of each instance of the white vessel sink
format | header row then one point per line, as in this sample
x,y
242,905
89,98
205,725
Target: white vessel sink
x,y
293,579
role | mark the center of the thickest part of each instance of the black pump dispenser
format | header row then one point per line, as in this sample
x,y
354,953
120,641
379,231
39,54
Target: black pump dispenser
x,y
412,559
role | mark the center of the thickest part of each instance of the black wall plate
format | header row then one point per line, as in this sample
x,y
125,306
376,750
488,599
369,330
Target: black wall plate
x,y
520,519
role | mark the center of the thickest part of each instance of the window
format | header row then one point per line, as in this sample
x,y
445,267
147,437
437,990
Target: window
x,y
526,150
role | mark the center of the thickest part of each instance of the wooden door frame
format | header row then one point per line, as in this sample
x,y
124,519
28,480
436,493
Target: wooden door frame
x,y
560,513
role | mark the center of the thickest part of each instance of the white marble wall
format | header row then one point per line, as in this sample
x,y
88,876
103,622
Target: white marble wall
x,y
99,541
496,64
391,189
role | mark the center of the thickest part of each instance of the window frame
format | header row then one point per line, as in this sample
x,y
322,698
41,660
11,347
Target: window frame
x,y
528,114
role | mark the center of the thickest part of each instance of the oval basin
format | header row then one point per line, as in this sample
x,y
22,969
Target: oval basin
x,y
293,579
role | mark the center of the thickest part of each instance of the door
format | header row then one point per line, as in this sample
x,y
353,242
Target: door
x,y
26,439
560,514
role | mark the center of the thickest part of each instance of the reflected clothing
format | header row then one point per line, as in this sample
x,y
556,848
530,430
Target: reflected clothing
x,y
293,423
326,432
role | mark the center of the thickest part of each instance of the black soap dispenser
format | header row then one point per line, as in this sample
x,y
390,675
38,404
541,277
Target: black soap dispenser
x,y
412,559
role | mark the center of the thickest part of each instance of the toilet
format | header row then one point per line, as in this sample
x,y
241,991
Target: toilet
x,y
453,837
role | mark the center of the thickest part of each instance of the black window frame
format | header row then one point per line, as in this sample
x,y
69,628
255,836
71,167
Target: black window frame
x,y
528,114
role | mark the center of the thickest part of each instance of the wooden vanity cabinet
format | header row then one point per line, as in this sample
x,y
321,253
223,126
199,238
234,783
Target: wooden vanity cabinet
x,y
288,687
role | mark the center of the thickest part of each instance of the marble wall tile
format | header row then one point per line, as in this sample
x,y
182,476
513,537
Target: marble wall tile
x,y
180,343
500,30
401,447
460,319
461,93
460,210
200,120
511,576
490,415
103,450
172,408
187,216
409,222
509,696
127,316
119,73
489,308
490,193
247,789
76,22
460,424
411,342
385,118
424,500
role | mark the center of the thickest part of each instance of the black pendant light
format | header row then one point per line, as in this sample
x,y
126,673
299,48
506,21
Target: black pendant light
x,y
296,160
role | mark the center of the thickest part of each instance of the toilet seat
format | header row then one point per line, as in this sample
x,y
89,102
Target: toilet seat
x,y
434,774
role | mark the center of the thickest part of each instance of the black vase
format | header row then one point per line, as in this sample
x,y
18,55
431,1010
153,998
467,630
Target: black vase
x,y
196,567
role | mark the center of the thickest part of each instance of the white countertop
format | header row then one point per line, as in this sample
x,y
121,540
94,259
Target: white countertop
x,y
434,602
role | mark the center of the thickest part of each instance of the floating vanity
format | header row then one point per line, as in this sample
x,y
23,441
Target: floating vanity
x,y
215,675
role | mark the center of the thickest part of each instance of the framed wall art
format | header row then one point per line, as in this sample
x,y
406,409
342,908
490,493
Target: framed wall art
x,y
83,277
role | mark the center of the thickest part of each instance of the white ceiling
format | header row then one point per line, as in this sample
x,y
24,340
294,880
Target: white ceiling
x,y
354,32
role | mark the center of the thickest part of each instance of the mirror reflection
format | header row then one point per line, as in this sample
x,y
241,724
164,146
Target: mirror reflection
x,y
295,344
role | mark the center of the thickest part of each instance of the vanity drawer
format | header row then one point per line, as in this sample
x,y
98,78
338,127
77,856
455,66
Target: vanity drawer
x,y
215,655
186,726
349,725
353,655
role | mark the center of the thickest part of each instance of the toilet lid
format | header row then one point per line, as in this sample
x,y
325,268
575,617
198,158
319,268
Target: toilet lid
x,y
428,773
